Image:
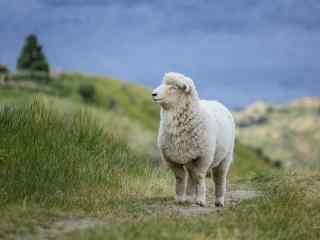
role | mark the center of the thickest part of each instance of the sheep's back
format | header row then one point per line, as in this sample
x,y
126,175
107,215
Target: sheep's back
x,y
224,125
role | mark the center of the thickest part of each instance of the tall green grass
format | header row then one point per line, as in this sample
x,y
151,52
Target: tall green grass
x,y
45,154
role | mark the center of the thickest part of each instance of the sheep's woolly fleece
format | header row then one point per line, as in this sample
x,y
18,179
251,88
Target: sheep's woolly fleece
x,y
181,81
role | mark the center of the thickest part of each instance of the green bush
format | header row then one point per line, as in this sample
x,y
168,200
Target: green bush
x,y
111,103
87,92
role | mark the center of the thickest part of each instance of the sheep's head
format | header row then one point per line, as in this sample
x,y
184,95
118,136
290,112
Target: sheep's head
x,y
174,89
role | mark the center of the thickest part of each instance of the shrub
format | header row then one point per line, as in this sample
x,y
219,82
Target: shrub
x,y
87,92
111,103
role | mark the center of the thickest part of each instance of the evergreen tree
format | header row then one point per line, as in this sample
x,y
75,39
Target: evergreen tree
x,y
4,73
3,69
32,57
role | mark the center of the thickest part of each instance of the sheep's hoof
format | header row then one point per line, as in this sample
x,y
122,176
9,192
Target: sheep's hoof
x,y
190,199
219,204
201,203
180,200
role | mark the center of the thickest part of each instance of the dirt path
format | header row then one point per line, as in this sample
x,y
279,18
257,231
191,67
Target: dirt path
x,y
77,224
231,199
68,225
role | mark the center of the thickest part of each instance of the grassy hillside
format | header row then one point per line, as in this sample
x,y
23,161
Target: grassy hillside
x,y
118,96
67,165
124,106
129,99
289,132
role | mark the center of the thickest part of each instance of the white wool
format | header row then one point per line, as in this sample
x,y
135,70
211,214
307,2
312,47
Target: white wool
x,y
180,80
197,135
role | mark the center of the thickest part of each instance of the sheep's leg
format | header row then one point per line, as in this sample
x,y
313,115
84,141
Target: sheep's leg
x,y
191,189
197,171
181,180
200,186
220,180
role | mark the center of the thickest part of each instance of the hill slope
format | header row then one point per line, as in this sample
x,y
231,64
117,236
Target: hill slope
x,y
112,95
289,132
119,104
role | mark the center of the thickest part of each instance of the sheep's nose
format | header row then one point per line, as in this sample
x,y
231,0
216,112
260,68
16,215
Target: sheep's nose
x,y
154,94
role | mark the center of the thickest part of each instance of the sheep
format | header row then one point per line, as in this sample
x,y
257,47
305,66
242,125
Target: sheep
x,y
195,137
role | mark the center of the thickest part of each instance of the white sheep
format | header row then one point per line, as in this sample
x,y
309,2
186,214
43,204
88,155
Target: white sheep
x,y
195,136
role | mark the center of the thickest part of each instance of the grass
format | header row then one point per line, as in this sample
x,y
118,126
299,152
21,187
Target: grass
x,y
248,163
287,209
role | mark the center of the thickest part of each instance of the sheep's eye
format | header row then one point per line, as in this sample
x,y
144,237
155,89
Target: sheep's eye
x,y
174,87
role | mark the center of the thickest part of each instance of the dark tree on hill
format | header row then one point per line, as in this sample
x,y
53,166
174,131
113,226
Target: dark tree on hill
x,y
3,69
4,72
32,57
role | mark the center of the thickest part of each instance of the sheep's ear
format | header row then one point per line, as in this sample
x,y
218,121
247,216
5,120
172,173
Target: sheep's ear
x,y
186,88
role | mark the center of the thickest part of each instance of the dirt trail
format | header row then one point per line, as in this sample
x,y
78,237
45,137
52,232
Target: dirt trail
x,y
68,225
76,224
231,199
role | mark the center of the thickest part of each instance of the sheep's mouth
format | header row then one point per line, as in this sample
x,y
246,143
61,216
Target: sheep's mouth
x,y
157,99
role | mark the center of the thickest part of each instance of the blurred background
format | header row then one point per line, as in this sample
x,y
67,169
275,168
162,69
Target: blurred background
x,y
237,52
78,128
